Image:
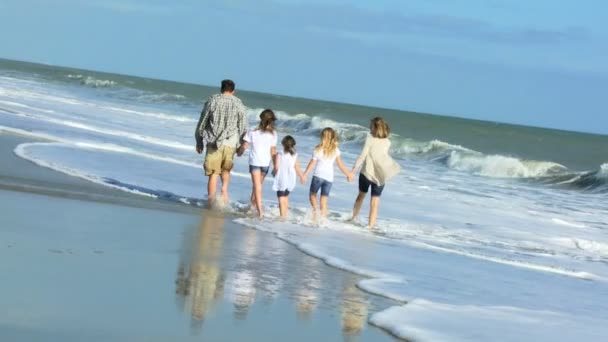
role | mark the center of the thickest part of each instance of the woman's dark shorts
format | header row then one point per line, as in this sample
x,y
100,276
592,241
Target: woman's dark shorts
x,y
365,183
320,183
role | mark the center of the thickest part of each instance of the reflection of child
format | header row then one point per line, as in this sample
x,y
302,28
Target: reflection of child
x,y
323,159
377,167
285,178
263,142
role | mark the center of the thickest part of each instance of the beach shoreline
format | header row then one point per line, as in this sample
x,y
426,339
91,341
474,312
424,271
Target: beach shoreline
x,y
81,227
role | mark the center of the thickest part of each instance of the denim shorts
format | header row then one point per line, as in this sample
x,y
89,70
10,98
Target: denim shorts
x,y
320,183
263,169
365,183
283,193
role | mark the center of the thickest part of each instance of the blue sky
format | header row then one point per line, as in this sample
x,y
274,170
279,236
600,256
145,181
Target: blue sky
x,y
539,62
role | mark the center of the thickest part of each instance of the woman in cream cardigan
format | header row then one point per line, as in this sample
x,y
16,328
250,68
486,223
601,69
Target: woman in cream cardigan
x,y
377,167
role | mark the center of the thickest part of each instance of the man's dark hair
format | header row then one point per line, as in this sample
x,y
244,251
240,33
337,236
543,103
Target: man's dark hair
x,y
227,86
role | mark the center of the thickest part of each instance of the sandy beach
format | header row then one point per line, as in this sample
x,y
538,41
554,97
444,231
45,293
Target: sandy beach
x,y
83,262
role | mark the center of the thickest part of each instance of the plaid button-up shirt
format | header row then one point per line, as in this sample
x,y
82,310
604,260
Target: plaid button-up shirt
x,y
223,118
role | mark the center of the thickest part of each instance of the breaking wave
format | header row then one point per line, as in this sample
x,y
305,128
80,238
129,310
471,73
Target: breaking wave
x,y
93,82
452,156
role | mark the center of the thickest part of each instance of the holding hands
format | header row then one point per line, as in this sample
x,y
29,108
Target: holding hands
x,y
349,177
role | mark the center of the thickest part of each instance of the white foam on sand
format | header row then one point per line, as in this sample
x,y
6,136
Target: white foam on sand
x,y
422,320
449,289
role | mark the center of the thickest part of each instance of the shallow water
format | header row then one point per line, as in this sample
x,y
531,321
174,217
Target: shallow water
x,y
536,222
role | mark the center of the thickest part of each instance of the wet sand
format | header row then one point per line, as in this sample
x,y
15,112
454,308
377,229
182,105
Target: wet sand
x,y
82,262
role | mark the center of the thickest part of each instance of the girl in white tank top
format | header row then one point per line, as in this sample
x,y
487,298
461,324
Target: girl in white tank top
x,y
285,177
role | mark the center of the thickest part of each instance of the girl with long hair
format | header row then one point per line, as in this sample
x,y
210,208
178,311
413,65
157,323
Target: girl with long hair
x,y
263,141
325,155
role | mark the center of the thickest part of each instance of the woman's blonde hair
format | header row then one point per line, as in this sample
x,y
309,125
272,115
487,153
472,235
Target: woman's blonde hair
x,y
267,119
380,128
329,142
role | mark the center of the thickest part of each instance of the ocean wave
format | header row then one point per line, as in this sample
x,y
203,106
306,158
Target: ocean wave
x,y
163,97
428,149
588,181
452,156
113,132
92,81
22,152
312,125
501,166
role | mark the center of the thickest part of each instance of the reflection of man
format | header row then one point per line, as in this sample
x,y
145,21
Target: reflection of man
x,y
220,127
200,280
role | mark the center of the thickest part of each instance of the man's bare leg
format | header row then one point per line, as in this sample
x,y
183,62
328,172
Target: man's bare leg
x,y
211,189
225,182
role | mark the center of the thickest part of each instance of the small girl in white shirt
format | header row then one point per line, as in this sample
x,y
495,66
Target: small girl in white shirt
x,y
285,178
323,159
263,141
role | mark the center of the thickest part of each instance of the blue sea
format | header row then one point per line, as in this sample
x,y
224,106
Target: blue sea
x,y
490,232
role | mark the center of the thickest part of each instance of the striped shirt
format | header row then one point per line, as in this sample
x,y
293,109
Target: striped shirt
x,y
222,121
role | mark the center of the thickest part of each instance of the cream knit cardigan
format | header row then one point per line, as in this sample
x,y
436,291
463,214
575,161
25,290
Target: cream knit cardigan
x,y
378,166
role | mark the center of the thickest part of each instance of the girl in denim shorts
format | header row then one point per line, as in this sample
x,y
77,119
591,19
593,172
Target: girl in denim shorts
x,y
325,155
263,143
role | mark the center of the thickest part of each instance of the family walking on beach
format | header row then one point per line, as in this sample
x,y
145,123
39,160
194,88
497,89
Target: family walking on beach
x,y
222,131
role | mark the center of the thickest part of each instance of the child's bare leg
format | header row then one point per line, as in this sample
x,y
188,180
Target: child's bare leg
x,y
358,203
324,206
252,199
313,203
373,210
283,206
257,178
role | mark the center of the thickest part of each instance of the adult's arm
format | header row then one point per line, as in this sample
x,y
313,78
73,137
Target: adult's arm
x,y
363,154
242,121
202,122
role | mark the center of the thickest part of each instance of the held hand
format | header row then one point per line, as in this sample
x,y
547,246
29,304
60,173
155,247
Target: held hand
x,y
349,177
303,180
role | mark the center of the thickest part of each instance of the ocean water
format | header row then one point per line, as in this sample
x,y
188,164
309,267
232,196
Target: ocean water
x,y
490,232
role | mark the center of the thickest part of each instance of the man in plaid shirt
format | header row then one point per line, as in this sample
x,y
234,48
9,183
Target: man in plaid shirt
x,y
220,127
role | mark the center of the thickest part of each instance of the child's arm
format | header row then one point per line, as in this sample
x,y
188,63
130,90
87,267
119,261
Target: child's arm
x,y
311,164
242,148
343,168
299,171
244,143
275,160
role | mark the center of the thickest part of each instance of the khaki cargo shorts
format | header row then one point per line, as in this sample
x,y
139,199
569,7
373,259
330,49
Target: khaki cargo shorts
x,y
218,159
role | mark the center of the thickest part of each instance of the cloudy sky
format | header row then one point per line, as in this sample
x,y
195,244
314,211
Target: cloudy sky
x,y
538,62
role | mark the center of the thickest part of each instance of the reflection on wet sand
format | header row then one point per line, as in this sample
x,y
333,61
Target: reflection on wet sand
x,y
308,285
217,268
241,283
354,309
200,279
